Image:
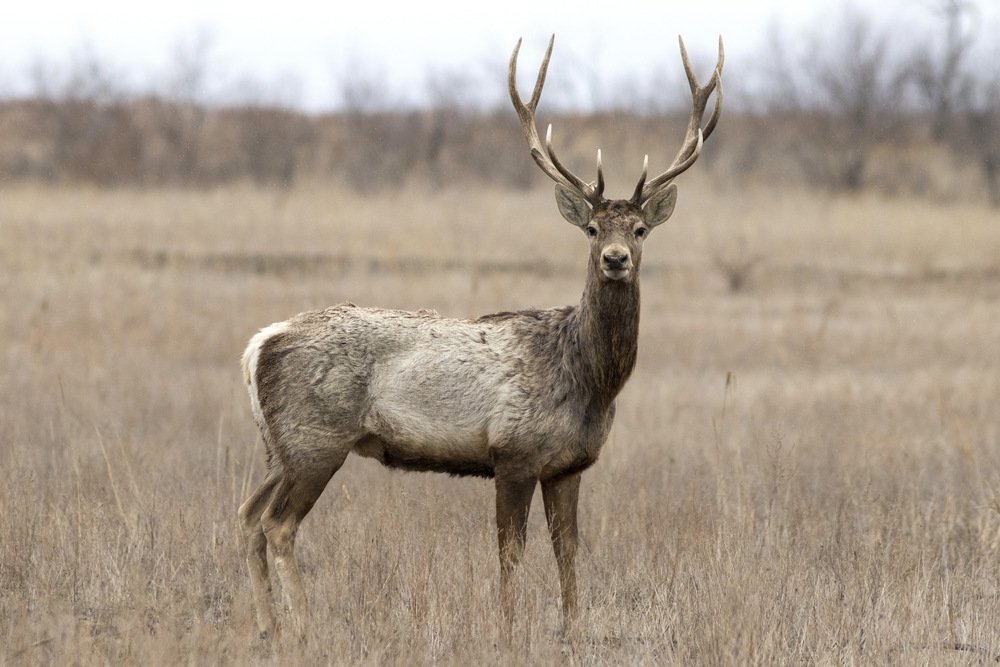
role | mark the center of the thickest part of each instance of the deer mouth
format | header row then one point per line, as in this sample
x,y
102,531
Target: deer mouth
x,y
616,274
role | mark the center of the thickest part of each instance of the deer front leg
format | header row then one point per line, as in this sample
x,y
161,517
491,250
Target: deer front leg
x,y
561,496
513,503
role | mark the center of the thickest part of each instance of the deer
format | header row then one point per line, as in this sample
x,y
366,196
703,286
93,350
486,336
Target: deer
x,y
526,398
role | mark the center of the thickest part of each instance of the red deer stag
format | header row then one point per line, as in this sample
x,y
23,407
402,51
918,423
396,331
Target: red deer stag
x,y
522,397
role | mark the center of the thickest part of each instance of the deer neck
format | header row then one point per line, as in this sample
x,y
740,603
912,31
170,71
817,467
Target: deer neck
x,y
608,335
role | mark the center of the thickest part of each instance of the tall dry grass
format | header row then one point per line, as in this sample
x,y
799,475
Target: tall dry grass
x,y
805,470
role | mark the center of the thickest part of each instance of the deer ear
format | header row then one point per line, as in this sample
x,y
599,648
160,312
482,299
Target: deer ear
x,y
572,205
660,207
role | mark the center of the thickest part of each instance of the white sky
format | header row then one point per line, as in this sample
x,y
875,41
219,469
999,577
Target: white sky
x,y
401,41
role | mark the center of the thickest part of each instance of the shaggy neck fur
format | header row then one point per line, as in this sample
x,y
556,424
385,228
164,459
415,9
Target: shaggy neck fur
x,y
607,334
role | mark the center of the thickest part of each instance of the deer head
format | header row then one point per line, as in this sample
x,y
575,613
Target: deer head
x,y
617,228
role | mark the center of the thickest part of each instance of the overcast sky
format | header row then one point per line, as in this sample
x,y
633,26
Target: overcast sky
x,y
299,48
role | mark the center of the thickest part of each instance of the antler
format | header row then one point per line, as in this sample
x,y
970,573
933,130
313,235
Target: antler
x,y
696,136
547,160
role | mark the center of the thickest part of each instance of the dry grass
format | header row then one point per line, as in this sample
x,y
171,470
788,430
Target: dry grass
x,y
806,470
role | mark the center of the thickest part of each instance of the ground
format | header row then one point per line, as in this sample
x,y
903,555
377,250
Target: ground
x,y
805,466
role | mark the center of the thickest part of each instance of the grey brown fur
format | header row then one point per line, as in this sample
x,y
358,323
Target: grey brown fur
x,y
524,397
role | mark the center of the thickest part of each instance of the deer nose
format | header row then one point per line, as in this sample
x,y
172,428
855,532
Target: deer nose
x,y
615,259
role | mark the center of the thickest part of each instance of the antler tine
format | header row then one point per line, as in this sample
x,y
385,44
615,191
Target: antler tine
x,y
717,79
692,79
675,170
695,135
599,190
637,195
545,157
536,94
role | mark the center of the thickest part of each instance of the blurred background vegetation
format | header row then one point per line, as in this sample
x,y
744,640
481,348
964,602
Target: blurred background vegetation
x,y
847,106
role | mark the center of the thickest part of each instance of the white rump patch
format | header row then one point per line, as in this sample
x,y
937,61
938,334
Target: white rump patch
x,y
250,356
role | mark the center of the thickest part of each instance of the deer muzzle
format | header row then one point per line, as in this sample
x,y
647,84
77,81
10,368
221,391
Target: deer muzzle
x,y
616,263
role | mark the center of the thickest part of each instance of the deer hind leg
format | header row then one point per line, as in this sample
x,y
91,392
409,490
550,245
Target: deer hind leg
x,y
255,545
291,500
513,503
561,496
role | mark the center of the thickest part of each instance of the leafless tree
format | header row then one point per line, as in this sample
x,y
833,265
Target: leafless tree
x,y
980,110
938,66
83,107
835,96
451,114
382,139
181,116
271,138
961,91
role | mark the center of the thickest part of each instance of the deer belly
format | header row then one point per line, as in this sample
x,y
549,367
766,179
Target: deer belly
x,y
412,440
425,421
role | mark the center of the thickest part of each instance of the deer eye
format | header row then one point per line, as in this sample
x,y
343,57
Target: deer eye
x,y
591,231
641,232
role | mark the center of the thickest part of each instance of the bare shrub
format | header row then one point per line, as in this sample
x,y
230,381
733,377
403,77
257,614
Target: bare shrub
x,y
736,263
378,150
380,141
981,115
82,108
961,89
466,141
270,144
938,65
835,95
180,111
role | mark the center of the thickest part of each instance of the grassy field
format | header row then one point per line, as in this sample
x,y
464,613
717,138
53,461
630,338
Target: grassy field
x,y
803,470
